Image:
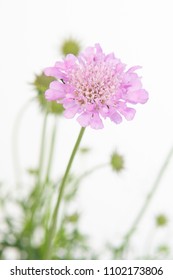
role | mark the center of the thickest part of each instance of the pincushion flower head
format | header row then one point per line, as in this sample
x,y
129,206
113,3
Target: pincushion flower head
x,y
94,86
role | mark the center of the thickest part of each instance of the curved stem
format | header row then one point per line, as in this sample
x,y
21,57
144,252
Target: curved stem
x,y
51,232
89,172
15,133
41,157
35,194
52,146
148,199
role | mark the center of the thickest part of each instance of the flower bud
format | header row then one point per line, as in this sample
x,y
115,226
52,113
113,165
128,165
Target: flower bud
x,y
41,84
70,46
117,162
161,220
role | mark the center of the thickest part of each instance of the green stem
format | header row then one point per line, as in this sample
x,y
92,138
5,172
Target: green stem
x,y
89,172
42,149
148,199
51,232
35,194
15,133
52,146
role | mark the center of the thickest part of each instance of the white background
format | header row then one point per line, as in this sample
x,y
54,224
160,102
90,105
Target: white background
x,y
139,33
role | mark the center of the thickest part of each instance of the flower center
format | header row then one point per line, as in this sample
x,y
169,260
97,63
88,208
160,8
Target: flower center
x,y
95,83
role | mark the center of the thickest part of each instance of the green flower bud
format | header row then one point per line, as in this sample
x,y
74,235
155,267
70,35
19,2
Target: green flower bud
x,y
73,218
70,46
161,220
84,150
117,162
164,249
41,84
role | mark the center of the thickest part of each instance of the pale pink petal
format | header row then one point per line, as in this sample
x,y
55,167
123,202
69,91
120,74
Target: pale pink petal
x,y
90,107
120,67
57,86
60,65
110,57
104,111
68,103
70,95
115,117
87,55
62,88
84,119
132,81
98,48
96,122
99,55
52,95
69,113
134,68
54,72
139,96
70,61
128,113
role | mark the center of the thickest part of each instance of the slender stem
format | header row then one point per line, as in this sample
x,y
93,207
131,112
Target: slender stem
x,y
51,232
35,195
52,146
147,201
42,149
89,172
15,133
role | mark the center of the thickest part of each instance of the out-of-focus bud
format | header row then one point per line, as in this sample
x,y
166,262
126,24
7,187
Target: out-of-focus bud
x,y
161,220
84,150
41,84
70,46
73,218
117,162
163,249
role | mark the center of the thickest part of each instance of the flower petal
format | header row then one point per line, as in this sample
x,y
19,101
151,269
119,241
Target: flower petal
x,y
55,72
115,117
52,94
57,86
84,119
96,122
69,113
128,113
70,61
134,68
138,96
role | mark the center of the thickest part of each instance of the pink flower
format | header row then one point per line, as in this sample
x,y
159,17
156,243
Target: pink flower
x,y
95,86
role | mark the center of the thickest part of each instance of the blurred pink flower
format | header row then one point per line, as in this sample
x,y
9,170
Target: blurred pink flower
x,y
95,86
